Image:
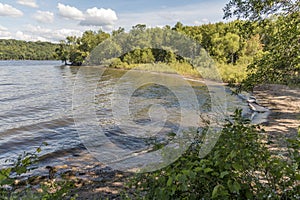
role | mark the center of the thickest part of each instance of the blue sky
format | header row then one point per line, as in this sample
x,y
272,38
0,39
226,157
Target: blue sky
x,y
53,20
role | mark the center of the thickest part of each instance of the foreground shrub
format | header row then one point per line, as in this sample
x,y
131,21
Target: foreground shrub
x,y
47,189
239,167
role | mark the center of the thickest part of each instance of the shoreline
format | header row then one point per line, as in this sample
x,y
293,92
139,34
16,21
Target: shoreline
x,y
187,77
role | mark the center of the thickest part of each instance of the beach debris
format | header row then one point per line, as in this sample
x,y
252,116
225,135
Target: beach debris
x,y
254,106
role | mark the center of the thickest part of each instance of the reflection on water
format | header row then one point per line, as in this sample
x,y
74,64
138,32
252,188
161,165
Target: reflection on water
x,y
36,107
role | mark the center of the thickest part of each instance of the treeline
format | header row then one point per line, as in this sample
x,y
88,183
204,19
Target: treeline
x,y
254,50
75,49
21,50
227,43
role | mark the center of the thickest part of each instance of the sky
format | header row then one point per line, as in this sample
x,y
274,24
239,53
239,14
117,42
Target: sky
x,y
53,20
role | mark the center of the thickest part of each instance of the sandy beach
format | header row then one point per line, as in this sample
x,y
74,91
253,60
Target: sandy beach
x,y
284,119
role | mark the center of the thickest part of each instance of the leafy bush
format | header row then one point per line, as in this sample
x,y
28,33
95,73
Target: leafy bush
x,y
232,73
20,166
239,167
49,189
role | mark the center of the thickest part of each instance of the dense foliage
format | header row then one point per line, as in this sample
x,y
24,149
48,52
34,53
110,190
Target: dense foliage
x,y
76,49
225,42
259,10
230,46
22,50
279,21
239,167
281,61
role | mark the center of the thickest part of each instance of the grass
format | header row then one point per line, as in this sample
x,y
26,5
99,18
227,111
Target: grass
x,y
184,69
227,72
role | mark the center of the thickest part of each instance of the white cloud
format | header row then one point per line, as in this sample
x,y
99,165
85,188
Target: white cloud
x,y
35,29
4,33
107,28
91,17
28,37
70,12
8,10
61,34
2,28
44,16
34,33
99,17
30,3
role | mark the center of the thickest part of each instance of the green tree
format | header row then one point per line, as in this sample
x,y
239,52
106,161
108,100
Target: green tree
x,y
232,42
258,9
77,49
118,31
178,27
141,27
252,48
170,57
226,47
279,21
147,56
61,52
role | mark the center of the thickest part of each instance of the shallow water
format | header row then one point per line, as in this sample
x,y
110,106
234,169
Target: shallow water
x,y
36,106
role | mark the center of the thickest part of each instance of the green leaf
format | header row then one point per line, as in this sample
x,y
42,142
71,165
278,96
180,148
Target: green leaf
x,y
297,176
236,187
38,149
237,166
184,187
198,169
173,189
7,181
224,174
170,181
4,174
45,143
233,186
181,178
232,154
207,170
216,191
21,170
26,161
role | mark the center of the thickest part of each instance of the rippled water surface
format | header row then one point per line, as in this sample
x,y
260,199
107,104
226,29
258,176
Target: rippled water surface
x,y
36,107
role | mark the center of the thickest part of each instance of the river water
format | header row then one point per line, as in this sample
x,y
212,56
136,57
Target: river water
x,y
36,106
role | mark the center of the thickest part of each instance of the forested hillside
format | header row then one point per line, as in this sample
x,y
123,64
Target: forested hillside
x,y
21,50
